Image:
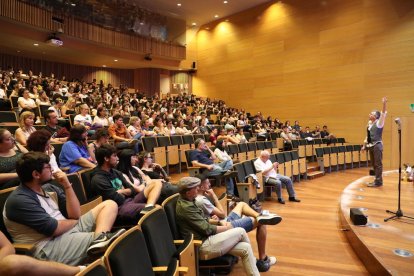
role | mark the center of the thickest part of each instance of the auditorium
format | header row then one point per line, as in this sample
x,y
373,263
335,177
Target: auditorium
x,y
221,137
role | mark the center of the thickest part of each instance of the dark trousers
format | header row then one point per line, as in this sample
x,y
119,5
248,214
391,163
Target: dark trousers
x,y
375,154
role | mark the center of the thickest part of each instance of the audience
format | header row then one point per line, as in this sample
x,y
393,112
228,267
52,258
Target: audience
x,y
31,215
26,128
59,134
39,141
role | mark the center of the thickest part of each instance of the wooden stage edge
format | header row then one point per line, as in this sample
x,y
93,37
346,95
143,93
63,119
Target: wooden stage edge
x,y
374,246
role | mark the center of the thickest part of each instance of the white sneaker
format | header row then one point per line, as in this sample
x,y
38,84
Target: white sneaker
x,y
271,260
268,219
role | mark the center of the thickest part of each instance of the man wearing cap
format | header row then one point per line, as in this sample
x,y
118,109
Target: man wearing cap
x,y
217,240
241,216
373,141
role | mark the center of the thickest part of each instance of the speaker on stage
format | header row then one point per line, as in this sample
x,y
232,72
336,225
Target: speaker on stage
x,y
357,217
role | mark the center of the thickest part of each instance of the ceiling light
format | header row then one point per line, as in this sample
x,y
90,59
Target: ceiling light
x,y
207,28
115,60
194,24
104,65
141,23
179,4
225,2
227,20
35,44
18,51
73,5
216,16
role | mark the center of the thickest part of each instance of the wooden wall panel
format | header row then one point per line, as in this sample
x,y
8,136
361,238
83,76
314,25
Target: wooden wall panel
x,y
321,62
70,71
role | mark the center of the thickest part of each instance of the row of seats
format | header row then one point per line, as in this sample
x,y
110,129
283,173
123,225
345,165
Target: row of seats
x,y
331,158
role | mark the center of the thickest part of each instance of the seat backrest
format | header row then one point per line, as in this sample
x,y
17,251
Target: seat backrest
x,y
56,152
326,150
260,145
251,146
189,139
280,157
334,150
248,135
273,136
149,143
77,186
319,152
241,173
287,155
302,142
341,140
188,157
163,141
43,109
169,205
154,225
199,136
128,254
3,197
85,177
242,147
249,167
295,154
233,149
357,147
349,148
272,158
295,144
269,145
14,100
176,140
8,117
342,149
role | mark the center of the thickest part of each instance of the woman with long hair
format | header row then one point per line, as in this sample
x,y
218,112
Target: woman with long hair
x,y
74,154
155,172
102,137
26,121
9,154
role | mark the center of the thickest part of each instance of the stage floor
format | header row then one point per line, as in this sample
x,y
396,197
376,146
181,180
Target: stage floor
x,y
375,243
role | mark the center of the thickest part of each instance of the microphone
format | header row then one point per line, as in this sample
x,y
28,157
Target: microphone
x,y
397,121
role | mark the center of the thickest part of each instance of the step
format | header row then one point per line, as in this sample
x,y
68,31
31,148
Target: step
x,y
315,174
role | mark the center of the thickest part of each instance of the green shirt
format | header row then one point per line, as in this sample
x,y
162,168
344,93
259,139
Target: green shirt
x,y
191,220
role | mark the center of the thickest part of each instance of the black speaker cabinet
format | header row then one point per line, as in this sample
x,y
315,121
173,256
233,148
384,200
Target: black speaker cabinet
x,y
357,217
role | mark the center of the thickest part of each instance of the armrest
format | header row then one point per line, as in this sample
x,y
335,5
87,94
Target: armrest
x,y
23,248
90,205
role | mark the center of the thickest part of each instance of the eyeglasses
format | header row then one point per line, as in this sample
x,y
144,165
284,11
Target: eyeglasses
x,y
47,167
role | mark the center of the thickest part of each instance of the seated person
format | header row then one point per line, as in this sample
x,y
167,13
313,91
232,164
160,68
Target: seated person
x,y
83,118
102,137
217,240
40,141
325,133
241,216
109,183
203,157
223,135
213,136
32,215
10,152
121,135
74,155
26,120
307,134
181,129
59,134
287,138
12,264
221,153
269,170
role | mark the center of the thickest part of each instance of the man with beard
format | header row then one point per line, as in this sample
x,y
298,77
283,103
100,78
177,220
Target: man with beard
x,y
32,215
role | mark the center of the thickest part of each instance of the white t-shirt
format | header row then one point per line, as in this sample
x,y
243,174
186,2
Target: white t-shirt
x,y
84,120
261,166
30,102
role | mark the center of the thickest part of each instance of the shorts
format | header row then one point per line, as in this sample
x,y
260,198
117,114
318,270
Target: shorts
x,y
244,222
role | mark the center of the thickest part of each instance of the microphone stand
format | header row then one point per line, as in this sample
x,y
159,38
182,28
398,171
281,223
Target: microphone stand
x,y
399,212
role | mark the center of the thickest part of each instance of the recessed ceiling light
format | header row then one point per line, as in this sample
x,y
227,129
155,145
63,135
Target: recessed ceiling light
x,y
207,28
194,24
35,44
179,4
115,60
225,2
141,23
73,5
216,16
227,20
18,51
104,65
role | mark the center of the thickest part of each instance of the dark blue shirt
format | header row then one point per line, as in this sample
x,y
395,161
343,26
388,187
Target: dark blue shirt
x,y
201,156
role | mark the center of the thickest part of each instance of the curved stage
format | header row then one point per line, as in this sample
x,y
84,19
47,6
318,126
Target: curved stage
x,y
375,246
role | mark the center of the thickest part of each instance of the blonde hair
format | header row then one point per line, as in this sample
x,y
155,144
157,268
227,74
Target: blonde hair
x,y
133,119
70,101
24,116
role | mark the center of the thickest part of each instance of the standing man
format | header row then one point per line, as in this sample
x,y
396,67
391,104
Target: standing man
x,y
264,165
373,141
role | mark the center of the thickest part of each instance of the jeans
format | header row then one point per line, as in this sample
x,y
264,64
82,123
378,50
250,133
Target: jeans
x,y
235,242
277,183
221,168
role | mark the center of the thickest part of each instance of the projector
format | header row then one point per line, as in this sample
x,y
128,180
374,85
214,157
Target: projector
x,y
54,42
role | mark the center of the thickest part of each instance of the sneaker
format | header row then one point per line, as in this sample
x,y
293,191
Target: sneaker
x,y
268,219
38,122
262,265
146,209
281,201
100,243
271,260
